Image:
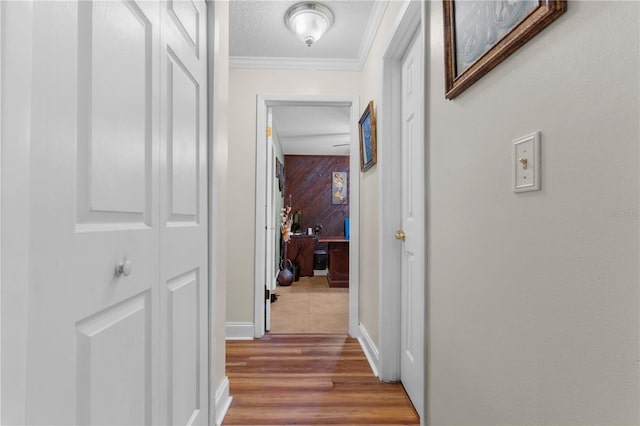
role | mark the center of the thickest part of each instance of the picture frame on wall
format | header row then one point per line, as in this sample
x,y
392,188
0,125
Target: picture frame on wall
x,y
480,34
368,142
339,188
280,175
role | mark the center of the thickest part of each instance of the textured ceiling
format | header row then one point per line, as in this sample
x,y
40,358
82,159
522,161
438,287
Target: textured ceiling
x,y
259,38
262,31
313,130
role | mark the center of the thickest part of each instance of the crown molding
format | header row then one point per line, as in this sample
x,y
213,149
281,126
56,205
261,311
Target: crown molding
x,y
279,63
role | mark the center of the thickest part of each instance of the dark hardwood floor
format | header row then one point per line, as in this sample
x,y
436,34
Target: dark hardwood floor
x,y
310,379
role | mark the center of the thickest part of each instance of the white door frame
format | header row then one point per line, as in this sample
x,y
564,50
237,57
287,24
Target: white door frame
x,y
217,73
15,204
389,171
271,272
264,101
1,61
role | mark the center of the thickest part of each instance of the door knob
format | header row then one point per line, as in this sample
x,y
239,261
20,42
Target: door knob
x,y
400,235
123,267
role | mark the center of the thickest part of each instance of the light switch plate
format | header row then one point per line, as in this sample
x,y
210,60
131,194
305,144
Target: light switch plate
x,y
526,163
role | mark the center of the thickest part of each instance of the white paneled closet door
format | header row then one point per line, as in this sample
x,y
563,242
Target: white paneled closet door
x,y
183,213
117,309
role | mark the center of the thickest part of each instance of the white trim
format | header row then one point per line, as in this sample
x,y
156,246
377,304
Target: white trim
x,y
270,238
222,401
260,219
370,350
354,222
15,202
320,64
294,63
1,61
377,14
390,166
263,101
217,132
239,330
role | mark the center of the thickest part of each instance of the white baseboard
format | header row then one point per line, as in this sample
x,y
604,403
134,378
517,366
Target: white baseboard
x,y
223,401
239,330
370,350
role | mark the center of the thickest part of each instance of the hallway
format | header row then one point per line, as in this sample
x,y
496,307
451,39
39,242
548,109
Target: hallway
x,y
309,379
133,244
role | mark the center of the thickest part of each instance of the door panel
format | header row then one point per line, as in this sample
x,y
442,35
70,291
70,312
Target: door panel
x,y
187,18
115,64
184,231
115,100
183,135
183,340
413,223
117,340
91,332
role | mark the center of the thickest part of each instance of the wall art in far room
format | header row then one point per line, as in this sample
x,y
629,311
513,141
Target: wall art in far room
x,y
339,188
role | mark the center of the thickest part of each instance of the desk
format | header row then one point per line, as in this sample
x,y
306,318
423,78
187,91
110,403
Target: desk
x,y
338,273
300,252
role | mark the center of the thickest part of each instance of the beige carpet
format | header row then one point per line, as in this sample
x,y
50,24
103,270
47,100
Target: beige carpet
x,y
310,306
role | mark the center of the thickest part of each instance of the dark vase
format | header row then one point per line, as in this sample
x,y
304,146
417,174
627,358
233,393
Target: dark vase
x,y
285,276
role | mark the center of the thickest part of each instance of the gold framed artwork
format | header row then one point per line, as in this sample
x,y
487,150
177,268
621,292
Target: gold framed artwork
x,y
368,142
479,34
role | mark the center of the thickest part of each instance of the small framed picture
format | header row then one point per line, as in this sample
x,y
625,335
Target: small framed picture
x,y
368,144
339,188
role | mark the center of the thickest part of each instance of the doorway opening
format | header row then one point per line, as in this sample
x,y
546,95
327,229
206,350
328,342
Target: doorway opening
x,y
311,146
312,225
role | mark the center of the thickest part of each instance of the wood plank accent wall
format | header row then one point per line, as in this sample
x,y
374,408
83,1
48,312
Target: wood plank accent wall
x,y
308,181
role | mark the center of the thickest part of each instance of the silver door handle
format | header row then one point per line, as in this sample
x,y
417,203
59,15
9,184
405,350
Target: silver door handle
x,y
123,267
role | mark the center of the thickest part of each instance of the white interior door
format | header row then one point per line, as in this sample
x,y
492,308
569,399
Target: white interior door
x,y
117,187
413,224
183,213
270,229
91,355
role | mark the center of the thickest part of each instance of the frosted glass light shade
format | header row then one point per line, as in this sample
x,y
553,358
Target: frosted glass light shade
x,y
309,21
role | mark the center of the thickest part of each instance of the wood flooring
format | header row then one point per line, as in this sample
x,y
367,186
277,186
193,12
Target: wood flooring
x,y
316,379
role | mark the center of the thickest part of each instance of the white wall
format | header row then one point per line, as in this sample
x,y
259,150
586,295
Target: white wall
x,y
244,86
533,298
369,181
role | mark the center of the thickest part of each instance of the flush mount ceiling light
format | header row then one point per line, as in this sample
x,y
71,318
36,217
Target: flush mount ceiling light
x,y
309,21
